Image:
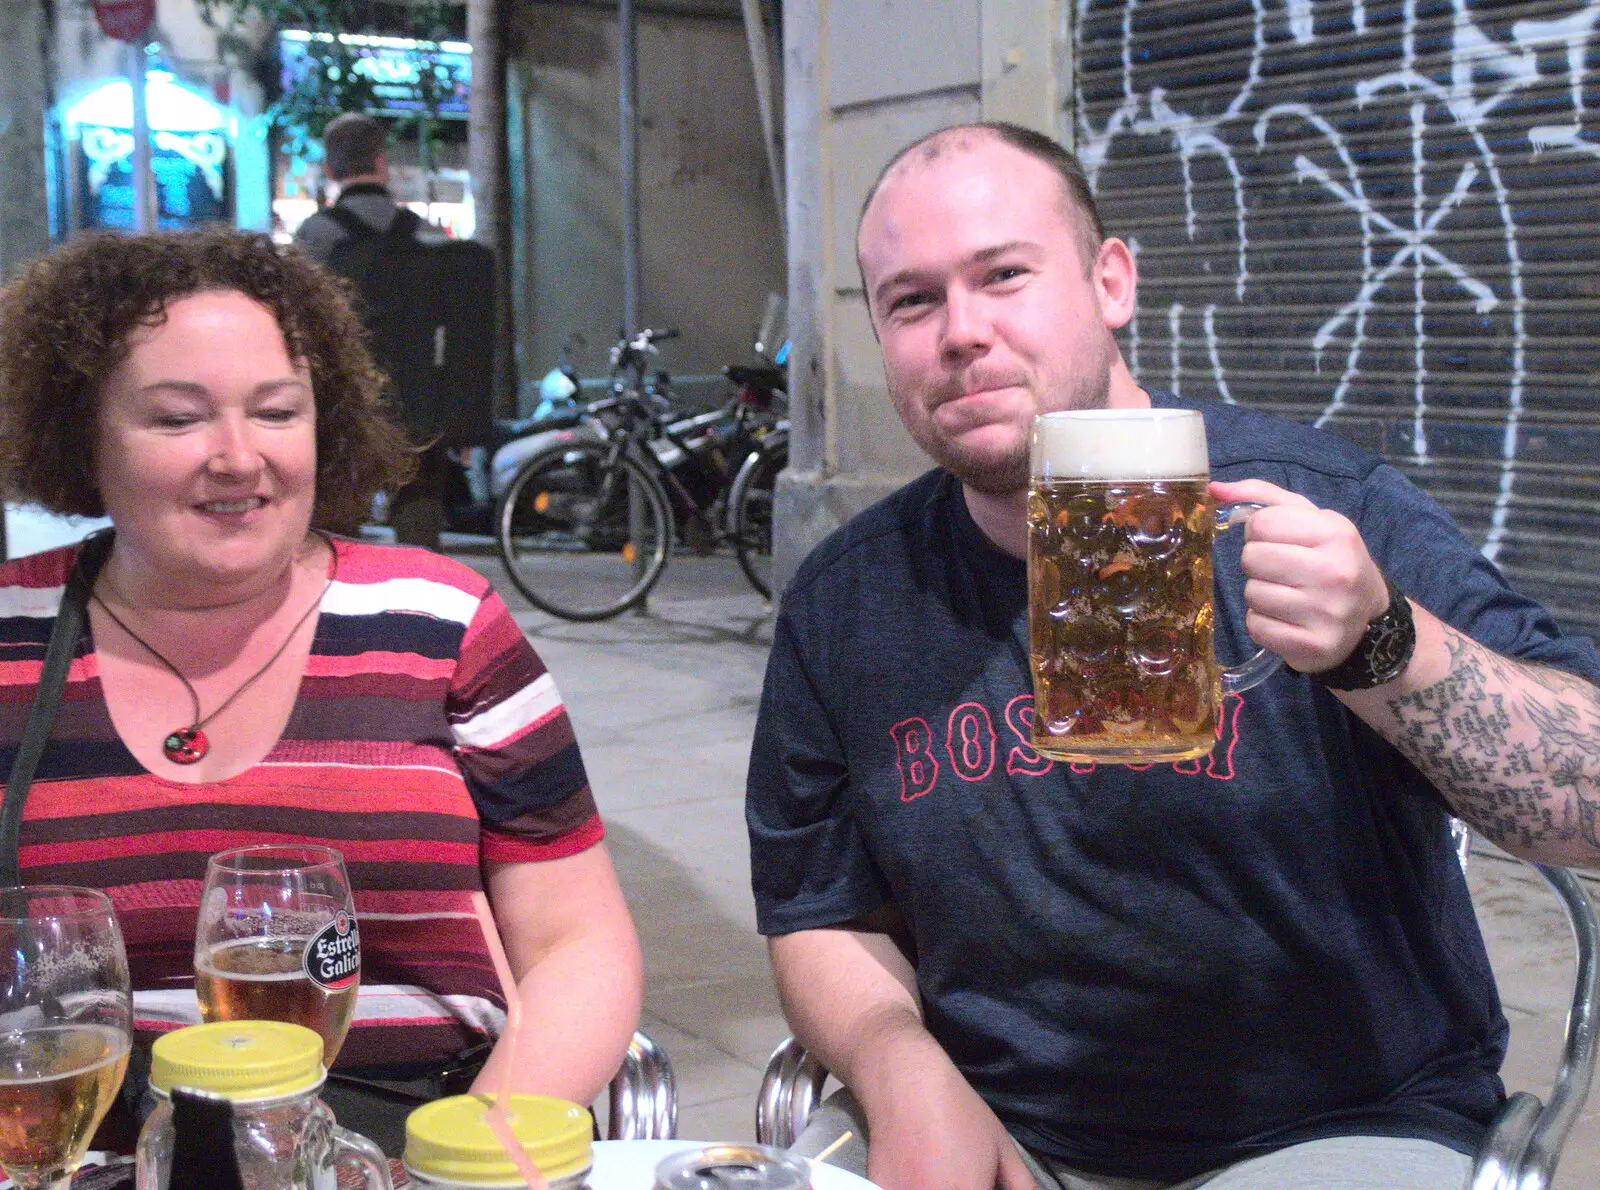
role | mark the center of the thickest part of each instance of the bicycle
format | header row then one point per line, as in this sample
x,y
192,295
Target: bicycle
x,y
587,525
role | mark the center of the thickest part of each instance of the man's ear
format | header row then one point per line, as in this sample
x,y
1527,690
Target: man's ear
x,y
1116,282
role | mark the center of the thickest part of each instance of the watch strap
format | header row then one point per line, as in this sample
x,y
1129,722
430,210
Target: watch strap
x,y
1383,651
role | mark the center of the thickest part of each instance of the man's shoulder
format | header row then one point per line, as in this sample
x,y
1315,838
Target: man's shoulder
x,y
1239,437
874,537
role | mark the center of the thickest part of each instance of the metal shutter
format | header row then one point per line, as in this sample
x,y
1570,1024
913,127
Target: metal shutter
x,y
1382,218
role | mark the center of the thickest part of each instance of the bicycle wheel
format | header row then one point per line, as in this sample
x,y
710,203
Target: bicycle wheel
x,y
750,515
581,538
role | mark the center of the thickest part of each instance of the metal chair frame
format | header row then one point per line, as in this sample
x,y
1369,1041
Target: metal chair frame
x,y
643,1097
1524,1141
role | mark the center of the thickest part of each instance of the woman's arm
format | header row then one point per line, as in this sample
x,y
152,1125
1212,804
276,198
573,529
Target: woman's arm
x,y
571,945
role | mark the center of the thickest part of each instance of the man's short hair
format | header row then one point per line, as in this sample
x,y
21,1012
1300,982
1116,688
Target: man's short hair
x,y
1075,183
351,146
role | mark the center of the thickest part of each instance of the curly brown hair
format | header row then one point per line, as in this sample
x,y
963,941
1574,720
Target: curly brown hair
x,y
65,323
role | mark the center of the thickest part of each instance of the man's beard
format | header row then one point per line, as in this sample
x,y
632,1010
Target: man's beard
x,y
1009,471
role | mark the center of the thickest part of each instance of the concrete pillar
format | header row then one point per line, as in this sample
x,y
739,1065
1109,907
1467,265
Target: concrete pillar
x,y
486,136
24,99
862,78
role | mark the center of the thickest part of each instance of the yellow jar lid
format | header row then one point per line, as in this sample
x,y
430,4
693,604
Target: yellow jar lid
x,y
239,1060
449,1140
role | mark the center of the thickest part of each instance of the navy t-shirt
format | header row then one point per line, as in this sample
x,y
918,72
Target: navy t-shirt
x,y
1148,972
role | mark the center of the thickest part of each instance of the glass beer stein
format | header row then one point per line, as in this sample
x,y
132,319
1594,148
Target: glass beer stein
x,y
265,1075
1120,601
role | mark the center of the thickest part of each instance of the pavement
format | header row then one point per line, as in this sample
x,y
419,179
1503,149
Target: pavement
x,y
664,707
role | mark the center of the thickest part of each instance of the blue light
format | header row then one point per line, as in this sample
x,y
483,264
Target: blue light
x,y
171,106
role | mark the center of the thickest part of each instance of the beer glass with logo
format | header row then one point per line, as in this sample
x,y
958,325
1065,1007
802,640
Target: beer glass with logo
x,y
1120,601
278,941
65,1028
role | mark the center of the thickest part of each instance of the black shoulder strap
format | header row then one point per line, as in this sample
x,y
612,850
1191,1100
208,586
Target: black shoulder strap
x,y
405,225
58,656
354,225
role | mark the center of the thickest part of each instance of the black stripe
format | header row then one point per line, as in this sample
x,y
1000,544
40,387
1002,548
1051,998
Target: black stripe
x,y
389,632
326,823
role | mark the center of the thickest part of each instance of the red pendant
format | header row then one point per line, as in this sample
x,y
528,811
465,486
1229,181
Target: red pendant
x,y
186,745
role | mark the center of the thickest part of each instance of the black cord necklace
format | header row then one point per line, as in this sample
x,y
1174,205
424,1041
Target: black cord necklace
x,y
186,745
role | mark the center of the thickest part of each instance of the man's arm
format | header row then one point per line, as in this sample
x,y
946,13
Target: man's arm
x,y
850,995
1513,746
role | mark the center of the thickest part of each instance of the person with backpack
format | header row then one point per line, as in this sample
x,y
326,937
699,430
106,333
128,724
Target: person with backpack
x,y
422,297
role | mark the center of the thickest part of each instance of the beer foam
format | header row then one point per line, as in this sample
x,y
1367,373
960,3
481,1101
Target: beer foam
x,y
1120,444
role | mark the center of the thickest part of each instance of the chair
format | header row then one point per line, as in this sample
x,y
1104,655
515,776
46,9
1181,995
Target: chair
x,y
643,1097
1524,1142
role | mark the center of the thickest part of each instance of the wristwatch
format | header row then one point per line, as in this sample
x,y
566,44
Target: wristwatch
x,y
1381,653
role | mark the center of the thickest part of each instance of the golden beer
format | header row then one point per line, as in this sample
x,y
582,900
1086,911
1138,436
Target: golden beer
x,y
1120,602
56,1084
265,979
1120,619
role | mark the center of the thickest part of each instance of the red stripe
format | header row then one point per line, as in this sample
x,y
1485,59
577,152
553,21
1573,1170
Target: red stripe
x,y
411,665
417,851
503,848
288,787
26,673
365,563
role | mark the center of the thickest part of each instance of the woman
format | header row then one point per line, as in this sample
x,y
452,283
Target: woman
x,y
247,677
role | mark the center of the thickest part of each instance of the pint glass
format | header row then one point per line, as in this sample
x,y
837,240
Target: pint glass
x,y
1120,603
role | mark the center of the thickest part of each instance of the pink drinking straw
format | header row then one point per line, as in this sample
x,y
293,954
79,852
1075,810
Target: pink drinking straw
x,y
497,1118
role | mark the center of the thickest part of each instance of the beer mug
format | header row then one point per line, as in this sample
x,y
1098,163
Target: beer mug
x,y
277,940
249,1087
1120,604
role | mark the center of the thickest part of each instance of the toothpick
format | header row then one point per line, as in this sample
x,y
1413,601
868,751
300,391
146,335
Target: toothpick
x,y
833,1148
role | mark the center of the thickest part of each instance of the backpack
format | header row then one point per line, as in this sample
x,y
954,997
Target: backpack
x,y
429,310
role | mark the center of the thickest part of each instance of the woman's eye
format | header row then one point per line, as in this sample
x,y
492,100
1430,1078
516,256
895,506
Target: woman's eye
x,y
278,416
175,421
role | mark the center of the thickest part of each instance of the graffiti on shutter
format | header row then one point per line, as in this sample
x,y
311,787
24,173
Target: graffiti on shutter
x,y
1383,218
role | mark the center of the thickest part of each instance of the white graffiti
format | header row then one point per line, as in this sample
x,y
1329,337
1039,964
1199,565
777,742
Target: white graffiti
x,y
1483,73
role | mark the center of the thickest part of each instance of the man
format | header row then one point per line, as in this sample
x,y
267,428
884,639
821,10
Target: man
x,y
1254,971
355,158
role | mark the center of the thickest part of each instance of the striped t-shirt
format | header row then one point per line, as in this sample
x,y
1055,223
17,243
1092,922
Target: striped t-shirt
x,y
427,736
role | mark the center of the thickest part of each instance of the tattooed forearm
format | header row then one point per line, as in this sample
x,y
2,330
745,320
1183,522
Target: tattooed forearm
x,y
1514,746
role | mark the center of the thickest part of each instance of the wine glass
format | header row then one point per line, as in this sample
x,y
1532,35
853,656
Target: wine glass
x,y
66,1018
277,940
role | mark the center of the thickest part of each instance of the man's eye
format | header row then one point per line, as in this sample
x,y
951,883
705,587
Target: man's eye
x,y
909,301
1008,273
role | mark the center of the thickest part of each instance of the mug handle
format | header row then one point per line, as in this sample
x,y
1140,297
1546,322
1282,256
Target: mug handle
x,y
359,1153
1236,679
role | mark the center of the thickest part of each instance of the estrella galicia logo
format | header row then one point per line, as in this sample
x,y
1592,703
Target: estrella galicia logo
x,y
333,954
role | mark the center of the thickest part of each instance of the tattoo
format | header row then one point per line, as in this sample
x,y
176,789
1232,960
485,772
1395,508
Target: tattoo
x,y
1514,746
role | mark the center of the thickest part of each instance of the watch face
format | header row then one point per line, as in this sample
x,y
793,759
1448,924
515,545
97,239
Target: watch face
x,y
1390,648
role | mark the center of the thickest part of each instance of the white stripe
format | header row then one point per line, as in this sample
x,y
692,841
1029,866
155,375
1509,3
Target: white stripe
x,y
381,1002
439,600
528,705
44,602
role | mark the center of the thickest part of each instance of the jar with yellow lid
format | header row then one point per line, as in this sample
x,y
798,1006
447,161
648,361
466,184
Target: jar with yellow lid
x,y
254,1084
449,1145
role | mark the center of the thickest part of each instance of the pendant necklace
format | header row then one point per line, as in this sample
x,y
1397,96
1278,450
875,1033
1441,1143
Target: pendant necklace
x,y
186,745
